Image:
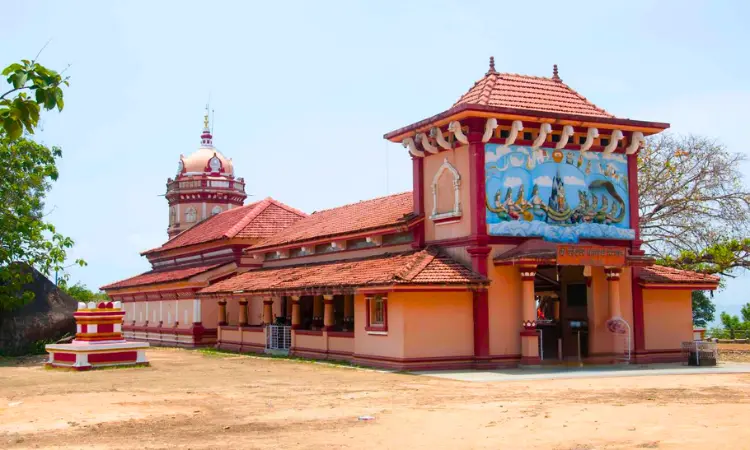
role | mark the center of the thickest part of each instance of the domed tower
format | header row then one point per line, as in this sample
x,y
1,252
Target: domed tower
x,y
204,186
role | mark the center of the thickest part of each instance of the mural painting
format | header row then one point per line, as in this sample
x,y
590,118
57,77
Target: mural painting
x,y
559,195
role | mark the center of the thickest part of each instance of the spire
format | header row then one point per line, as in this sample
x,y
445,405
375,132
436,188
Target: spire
x,y
555,76
206,138
492,65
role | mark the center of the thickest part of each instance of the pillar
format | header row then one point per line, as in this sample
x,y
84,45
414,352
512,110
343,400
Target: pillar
x,y
222,318
529,336
349,312
556,306
267,311
328,312
296,318
639,333
288,310
613,290
318,311
243,312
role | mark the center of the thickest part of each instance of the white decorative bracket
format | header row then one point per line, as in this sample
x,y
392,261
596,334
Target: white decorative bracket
x,y
515,127
456,212
489,128
409,143
426,144
615,138
544,130
567,132
636,140
455,128
592,134
438,135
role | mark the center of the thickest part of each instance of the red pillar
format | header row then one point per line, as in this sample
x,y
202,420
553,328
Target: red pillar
x,y
634,202
639,330
417,165
479,250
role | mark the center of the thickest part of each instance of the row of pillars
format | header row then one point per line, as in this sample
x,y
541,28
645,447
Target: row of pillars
x,y
529,336
322,311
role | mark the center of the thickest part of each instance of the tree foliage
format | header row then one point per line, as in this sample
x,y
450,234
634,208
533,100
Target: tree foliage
x,y
27,170
80,292
694,205
703,309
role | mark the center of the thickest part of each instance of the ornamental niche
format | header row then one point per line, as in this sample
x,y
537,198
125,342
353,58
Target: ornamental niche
x,y
446,193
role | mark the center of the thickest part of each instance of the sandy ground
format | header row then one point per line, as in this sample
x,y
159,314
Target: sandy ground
x,y
192,400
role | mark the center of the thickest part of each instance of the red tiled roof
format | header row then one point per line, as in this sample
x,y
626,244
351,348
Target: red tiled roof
x,y
510,90
428,266
366,215
160,276
256,220
667,275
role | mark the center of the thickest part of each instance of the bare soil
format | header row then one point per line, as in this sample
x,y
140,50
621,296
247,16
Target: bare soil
x,y
189,399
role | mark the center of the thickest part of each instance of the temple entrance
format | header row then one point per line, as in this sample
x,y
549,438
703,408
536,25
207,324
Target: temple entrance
x,y
562,313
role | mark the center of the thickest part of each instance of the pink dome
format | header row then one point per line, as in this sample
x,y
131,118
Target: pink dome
x,y
207,160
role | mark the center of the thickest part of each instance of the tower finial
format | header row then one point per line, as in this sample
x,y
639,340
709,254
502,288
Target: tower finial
x,y
206,138
555,75
492,65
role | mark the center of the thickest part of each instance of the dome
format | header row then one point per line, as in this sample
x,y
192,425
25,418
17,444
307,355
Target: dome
x,y
207,160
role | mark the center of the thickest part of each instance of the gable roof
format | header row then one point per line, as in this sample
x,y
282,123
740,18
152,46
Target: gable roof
x,y
366,215
161,276
667,275
256,220
428,266
525,92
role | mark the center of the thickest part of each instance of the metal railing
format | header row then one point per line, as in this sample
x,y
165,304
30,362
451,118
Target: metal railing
x,y
278,337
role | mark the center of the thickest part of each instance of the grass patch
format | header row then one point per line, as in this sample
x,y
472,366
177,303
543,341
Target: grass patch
x,y
219,353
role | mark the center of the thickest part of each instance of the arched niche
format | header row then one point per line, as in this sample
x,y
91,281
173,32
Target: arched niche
x,y
446,205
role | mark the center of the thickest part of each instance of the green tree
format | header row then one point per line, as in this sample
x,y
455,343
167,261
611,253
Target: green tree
x,y
694,204
745,311
731,323
80,292
26,172
703,309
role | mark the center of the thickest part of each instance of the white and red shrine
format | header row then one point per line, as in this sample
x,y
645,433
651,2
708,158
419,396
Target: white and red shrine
x,y
519,244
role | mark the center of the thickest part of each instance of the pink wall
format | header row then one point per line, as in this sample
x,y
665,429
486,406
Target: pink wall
x,y
436,324
305,341
459,158
209,311
668,316
373,344
600,339
340,344
504,298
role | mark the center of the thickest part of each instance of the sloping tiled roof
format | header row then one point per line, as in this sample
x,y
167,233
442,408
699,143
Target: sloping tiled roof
x,y
427,266
667,275
510,90
365,215
160,276
256,220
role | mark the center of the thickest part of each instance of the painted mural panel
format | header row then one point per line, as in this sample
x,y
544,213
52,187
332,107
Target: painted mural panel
x,y
559,195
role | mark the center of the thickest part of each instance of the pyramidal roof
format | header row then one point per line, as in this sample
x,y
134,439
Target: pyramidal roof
x,y
510,90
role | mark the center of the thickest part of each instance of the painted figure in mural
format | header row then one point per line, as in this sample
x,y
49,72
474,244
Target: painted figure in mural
x,y
569,158
501,208
521,206
580,161
588,168
537,204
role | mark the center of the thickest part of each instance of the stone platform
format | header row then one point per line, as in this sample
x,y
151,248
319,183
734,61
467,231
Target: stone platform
x,y
98,342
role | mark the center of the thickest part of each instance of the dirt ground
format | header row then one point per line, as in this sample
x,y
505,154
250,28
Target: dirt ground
x,y
189,399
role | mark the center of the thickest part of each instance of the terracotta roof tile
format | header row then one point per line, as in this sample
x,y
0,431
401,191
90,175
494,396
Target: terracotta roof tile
x,y
526,92
256,220
160,276
428,266
366,215
667,275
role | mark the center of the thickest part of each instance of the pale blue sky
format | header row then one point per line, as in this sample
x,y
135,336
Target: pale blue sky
x,y
303,92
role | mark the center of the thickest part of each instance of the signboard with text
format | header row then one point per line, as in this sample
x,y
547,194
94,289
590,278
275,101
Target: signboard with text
x,y
590,255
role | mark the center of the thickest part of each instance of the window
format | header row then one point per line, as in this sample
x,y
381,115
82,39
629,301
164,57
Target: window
x,y
504,133
377,313
604,142
191,215
397,238
555,138
216,210
581,140
527,136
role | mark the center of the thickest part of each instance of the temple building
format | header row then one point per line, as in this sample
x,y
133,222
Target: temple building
x,y
518,245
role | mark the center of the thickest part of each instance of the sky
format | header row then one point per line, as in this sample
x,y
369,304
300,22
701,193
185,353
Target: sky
x,y
304,91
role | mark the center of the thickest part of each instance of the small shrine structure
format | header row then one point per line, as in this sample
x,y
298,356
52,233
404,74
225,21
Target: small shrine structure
x,y
99,341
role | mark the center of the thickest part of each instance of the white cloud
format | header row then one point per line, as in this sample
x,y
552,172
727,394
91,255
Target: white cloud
x,y
619,157
516,162
591,155
512,182
500,151
574,181
544,180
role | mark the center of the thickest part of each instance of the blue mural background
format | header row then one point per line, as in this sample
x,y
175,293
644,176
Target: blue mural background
x,y
559,195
